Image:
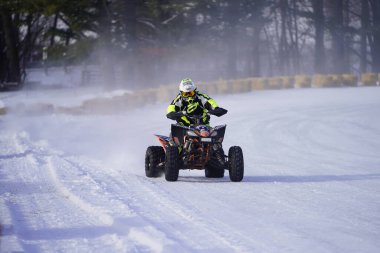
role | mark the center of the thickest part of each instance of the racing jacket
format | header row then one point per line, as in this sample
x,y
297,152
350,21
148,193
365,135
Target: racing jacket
x,y
198,104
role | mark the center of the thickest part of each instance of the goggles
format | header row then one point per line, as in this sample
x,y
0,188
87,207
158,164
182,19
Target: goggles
x,y
187,94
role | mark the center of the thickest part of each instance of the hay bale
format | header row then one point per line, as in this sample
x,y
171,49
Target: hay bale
x,y
210,88
274,83
349,80
240,85
259,83
320,81
302,81
369,79
167,93
223,87
287,82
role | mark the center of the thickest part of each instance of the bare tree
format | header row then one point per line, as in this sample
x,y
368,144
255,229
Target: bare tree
x,y
337,30
11,43
375,38
319,23
364,35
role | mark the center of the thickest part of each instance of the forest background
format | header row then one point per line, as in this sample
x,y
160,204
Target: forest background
x,y
148,43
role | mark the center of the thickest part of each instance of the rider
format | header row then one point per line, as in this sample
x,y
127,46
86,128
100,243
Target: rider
x,y
192,102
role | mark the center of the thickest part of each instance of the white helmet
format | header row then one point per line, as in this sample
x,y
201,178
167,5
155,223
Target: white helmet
x,y
187,85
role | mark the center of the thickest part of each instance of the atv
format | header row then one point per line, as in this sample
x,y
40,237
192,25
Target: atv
x,y
194,147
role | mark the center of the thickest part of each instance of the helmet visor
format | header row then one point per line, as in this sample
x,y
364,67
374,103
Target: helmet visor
x,y
187,94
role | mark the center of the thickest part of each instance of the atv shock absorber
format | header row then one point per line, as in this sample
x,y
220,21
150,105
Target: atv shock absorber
x,y
188,145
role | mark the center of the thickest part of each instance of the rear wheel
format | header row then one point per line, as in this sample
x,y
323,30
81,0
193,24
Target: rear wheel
x,y
214,169
171,164
153,157
236,164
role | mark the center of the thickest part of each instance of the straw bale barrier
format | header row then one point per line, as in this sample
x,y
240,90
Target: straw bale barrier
x,y
302,81
369,79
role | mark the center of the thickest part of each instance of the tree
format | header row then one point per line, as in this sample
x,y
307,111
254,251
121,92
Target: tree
x,y
319,23
337,30
11,44
375,35
364,33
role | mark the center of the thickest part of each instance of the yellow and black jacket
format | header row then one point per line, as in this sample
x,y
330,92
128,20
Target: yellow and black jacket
x,y
199,104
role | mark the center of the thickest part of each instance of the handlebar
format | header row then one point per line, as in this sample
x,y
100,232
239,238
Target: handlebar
x,y
196,116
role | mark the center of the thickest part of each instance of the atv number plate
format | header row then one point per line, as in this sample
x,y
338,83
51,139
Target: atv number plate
x,y
206,139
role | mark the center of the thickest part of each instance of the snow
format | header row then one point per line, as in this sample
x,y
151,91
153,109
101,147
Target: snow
x,y
76,183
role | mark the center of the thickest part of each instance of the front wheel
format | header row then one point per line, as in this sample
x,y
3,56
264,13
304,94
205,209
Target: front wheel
x,y
153,157
236,164
214,168
171,164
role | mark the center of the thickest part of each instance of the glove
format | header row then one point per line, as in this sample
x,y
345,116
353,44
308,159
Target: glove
x,y
218,111
174,115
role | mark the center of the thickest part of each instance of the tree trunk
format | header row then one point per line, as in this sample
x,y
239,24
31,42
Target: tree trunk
x,y
3,62
256,68
319,23
232,57
294,35
375,50
130,21
364,35
11,42
106,50
283,46
231,38
53,28
337,33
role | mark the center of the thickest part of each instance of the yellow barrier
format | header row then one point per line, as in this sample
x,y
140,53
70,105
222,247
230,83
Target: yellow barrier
x,y
302,81
240,85
369,79
275,83
246,85
287,82
235,86
259,83
222,87
168,93
349,80
210,88
336,81
321,80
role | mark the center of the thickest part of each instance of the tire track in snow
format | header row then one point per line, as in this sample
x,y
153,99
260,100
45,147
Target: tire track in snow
x,y
64,210
44,159
143,229
221,232
92,210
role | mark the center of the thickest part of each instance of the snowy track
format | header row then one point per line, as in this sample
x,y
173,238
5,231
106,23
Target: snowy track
x,y
312,182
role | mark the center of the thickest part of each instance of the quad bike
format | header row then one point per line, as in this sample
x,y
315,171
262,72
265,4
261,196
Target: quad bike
x,y
194,147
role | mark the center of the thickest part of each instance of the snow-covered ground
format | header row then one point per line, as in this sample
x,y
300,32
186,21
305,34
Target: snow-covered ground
x,y
76,183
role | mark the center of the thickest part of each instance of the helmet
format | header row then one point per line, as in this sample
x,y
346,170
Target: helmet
x,y
187,87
